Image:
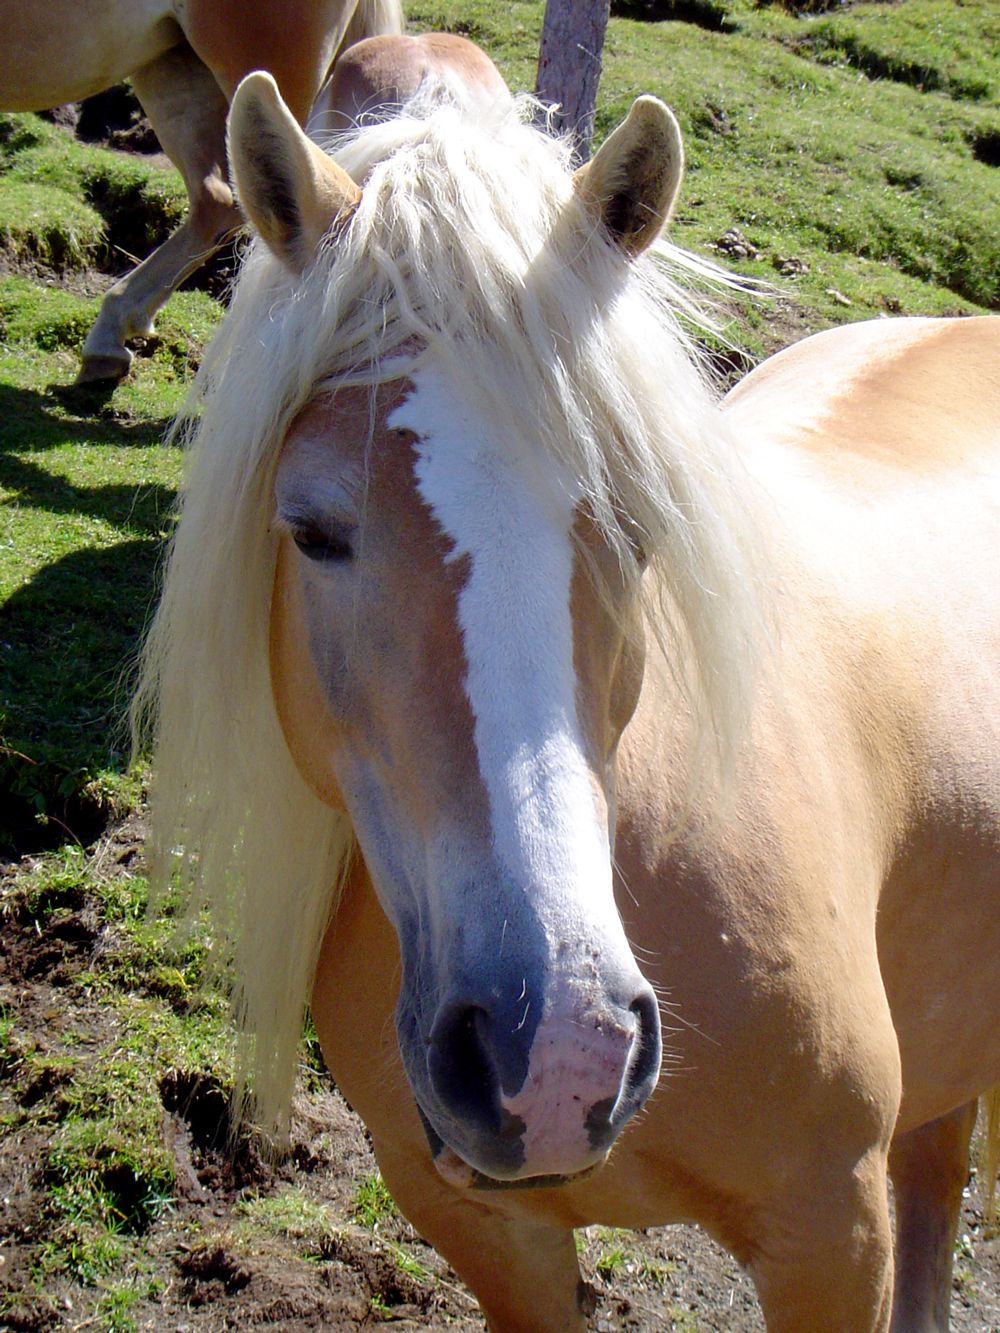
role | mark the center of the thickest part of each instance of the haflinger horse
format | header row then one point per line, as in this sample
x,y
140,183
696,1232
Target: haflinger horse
x,y
495,654
379,75
185,59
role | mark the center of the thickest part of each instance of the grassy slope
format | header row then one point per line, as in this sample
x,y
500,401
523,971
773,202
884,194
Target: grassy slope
x,y
880,187
85,494
871,182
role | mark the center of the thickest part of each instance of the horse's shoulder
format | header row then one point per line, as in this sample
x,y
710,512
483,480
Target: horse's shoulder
x,y
920,395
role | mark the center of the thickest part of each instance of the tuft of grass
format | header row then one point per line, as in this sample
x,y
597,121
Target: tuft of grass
x,y
78,1249
21,131
49,227
411,1266
289,1213
609,1261
107,1161
373,1204
9,1051
75,204
311,1063
115,1311
46,318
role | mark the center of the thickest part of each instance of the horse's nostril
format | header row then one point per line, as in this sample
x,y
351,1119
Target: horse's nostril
x,y
644,1066
461,1067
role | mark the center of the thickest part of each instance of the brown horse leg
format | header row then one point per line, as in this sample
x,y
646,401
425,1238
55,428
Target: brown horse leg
x,y
522,1268
822,1258
929,1167
188,111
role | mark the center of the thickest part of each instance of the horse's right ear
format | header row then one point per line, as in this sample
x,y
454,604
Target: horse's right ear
x,y
632,181
291,192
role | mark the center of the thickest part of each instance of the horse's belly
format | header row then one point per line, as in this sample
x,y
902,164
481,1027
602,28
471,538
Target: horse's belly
x,y
55,53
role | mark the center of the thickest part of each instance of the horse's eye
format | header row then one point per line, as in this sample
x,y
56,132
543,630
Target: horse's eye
x,y
324,547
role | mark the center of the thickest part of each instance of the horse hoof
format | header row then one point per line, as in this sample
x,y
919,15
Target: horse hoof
x,y
101,369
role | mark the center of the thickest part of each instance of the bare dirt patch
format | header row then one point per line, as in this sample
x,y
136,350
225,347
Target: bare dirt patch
x,y
242,1244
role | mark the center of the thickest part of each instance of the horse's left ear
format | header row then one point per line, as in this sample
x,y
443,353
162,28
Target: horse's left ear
x,y
291,192
633,179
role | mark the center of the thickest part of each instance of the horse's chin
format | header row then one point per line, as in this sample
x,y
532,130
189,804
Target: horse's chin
x,y
460,1175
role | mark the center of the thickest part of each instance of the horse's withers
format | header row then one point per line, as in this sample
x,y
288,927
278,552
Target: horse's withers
x,y
475,684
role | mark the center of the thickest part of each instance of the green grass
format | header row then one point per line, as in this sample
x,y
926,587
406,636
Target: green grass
x,y
936,46
65,204
873,184
86,489
49,226
290,1213
105,1169
870,179
115,1308
373,1204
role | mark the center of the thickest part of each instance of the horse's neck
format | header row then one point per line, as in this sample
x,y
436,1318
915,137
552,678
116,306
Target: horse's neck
x,y
882,679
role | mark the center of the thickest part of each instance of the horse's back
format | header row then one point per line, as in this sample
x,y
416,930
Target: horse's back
x,y
65,51
921,395
877,451
377,76
62,52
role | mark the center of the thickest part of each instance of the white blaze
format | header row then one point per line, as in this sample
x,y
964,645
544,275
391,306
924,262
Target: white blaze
x,y
510,511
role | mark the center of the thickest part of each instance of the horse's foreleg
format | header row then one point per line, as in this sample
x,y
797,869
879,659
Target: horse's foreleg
x,y
521,1268
821,1238
929,1167
822,1256
188,112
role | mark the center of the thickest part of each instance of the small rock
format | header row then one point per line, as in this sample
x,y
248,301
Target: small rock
x,y
736,245
788,268
839,297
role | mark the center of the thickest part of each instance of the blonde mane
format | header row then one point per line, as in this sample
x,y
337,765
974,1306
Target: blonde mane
x,y
469,236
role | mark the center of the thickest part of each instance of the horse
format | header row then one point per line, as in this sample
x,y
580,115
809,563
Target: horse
x,y
614,769
185,60
379,75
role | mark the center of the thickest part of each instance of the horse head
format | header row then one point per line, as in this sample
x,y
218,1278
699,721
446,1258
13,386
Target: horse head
x,y
456,648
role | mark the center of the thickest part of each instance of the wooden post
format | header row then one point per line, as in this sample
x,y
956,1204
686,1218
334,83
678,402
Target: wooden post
x,y
569,64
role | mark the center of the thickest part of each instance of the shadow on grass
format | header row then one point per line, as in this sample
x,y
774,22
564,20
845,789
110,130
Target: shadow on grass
x,y
141,505
67,641
68,635
69,414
